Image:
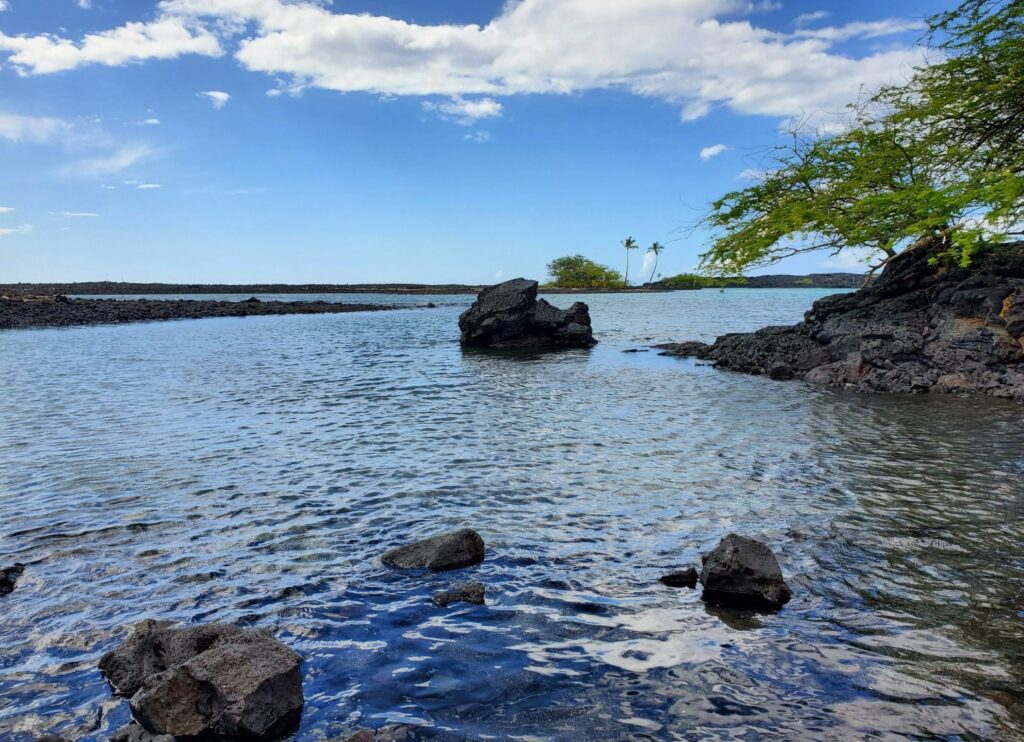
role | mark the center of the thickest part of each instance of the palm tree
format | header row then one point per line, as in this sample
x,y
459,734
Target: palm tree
x,y
657,248
630,244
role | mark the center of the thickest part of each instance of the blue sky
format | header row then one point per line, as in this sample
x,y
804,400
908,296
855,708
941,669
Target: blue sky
x,y
403,140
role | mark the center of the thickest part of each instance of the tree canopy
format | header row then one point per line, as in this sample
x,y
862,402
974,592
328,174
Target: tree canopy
x,y
937,162
578,272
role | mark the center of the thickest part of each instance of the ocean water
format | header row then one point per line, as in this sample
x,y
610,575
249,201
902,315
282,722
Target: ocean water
x,y
252,470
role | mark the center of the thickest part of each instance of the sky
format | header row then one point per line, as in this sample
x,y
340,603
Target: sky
x,y
404,140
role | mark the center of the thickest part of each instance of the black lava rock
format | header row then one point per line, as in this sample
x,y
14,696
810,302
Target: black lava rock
x,y
451,550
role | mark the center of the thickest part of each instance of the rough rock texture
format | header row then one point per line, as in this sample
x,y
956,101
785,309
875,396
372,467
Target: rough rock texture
x,y
390,733
135,733
683,578
9,576
451,550
743,572
509,315
461,592
918,328
213,680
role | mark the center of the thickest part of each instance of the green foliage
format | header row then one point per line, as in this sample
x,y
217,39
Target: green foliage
x,y
578,272
937,163
688,281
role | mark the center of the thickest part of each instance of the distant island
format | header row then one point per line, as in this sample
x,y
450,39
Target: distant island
x,y
121,288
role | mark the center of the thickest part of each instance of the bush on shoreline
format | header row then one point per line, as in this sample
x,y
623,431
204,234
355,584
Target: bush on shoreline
x,y
578,272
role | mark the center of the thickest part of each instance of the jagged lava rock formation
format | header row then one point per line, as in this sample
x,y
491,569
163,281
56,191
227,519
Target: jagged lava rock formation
x,y
918,328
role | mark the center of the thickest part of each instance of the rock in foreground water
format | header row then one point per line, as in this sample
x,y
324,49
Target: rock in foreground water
x,y
461,592
684,578
215,680
743,572
509,315
9,577
452,550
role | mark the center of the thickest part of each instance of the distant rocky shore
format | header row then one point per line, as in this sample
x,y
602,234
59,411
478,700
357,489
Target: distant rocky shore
x,y
117,288
918,328
60,311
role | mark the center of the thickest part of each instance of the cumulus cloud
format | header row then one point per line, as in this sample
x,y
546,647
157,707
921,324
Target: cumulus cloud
x,y
218,98
713,151
120,160
166,38
697,54
465,112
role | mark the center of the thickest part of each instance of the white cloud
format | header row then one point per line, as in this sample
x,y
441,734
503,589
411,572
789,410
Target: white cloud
x,y
4,6
148,186
122,159
752,174
6,209
85,4
108,187
32,129
697,54
77,214
811,17
713,151
150,122
477,136
166,38
218,98
465,112
22,229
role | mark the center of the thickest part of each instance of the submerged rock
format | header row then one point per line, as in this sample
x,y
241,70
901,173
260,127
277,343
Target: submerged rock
x,y
743,572
683,578
509,315
451,550
214,680
9,577
461,592
389,733
918,328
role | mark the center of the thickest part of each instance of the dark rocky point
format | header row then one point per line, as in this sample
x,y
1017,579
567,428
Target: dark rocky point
x,y
212,681
918,328
452,550
9,577
683,578
461,592
509,315
743,573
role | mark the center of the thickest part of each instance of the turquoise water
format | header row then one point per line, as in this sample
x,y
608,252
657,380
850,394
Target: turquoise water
x,y
253,469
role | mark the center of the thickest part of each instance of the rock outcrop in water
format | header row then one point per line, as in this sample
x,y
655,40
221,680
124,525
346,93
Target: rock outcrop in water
x,y
461,592
215,681
684,578
9,577
452,550
743,572
509,315
918,328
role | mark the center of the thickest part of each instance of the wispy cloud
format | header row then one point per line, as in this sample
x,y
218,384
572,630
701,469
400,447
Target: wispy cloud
x,y
816,15
863,29
22,229
713,151
4,6
77,214
477,136
148,186
752,174
218,98
33,129
465,111
6,209
150,122
121,160
85,4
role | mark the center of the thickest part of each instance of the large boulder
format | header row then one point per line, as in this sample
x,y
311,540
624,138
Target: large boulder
x,y
920,327
212,681
509,315
451,550
743,572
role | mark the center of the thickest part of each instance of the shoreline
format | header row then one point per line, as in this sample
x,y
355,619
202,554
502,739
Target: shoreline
x,y
60,311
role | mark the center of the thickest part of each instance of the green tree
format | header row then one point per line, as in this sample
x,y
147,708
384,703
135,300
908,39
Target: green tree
x,y
630,244
935,164
657,248
578,272
688,281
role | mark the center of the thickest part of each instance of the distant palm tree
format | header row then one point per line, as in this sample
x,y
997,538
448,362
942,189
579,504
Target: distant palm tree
x,y
657,248
630,244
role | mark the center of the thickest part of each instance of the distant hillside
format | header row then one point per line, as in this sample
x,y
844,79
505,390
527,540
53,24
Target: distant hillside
x,y
812,281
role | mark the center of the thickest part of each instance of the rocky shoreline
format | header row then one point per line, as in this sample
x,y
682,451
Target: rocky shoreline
x,y
918,328
60,311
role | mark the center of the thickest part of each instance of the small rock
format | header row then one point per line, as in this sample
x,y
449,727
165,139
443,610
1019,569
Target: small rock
x,y
780,372
215,681
253,300
451,550
636,350
135,733
9,576
390,733
744,573
462,592
431,305
684,578
52,738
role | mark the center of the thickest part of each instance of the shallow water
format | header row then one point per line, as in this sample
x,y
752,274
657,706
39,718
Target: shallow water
x,y
252,469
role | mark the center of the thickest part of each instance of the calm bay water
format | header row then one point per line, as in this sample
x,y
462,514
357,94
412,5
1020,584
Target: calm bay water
x,y
252,470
